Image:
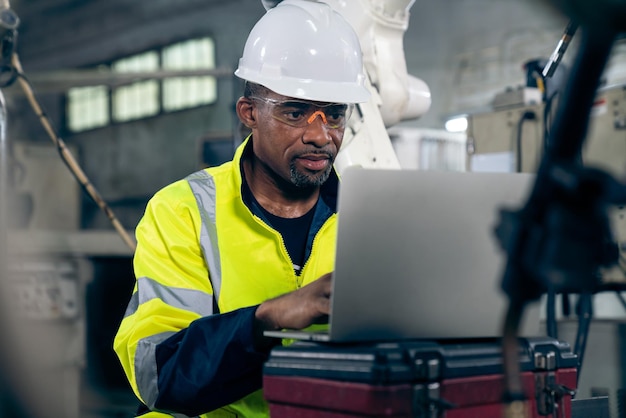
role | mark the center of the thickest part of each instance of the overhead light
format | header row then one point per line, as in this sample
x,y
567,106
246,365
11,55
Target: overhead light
x,y
456,124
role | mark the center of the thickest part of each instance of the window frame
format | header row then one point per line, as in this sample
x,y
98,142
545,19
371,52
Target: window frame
x,y
162,109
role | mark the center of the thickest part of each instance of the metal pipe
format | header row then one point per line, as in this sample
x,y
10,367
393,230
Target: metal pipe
x,y
557,55
63,80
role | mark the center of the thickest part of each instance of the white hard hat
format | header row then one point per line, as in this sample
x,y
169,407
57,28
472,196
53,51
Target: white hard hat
x,y
304,49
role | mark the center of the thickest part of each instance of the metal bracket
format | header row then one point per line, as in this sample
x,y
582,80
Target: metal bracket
x,y
427,401
548,394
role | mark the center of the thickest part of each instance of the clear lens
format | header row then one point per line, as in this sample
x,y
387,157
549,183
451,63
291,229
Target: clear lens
x,y
300,114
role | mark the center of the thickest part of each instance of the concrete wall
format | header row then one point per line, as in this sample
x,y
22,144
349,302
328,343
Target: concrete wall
x,y
467,51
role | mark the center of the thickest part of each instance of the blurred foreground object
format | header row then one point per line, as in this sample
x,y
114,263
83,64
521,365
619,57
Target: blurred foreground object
x,y
559,240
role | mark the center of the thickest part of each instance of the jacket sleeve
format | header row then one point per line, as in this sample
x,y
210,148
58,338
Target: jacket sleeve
x,y
178,354
210,364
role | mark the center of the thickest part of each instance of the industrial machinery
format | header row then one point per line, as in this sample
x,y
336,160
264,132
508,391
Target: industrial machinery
x,y
513,138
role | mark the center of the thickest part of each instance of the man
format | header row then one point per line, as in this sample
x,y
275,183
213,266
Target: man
x,y
234,250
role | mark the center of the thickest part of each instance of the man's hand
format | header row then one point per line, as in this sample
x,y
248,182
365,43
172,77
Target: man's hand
x,y
298,309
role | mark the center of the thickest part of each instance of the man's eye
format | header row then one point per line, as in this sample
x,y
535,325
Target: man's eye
x,y
336,114
295,114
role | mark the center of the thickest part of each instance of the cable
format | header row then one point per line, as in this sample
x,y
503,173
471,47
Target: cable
x,y
585,313
547,119
565,304
551,326
67,156
527,115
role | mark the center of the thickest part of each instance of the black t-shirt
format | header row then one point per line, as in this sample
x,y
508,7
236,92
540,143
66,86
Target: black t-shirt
x,y
294,231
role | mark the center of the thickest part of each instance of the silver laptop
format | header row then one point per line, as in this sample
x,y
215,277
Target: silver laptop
x,y
417,256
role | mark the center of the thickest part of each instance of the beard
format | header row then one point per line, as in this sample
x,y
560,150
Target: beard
x,y
307,179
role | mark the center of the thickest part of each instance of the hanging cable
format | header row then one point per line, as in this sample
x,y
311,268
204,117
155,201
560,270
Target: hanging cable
x,y
527,115
551,323
585,314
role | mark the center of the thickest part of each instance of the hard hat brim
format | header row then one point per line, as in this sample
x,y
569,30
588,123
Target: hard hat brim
x,y
314,90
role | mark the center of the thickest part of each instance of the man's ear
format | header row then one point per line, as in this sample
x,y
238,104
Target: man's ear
x,y
246,112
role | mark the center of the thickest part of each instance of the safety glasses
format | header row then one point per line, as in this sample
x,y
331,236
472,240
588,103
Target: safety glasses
x,y
299,114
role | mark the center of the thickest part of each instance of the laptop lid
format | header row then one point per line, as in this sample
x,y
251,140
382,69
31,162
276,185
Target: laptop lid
x,y
417,256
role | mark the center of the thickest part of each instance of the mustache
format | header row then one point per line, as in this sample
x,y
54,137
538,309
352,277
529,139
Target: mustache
x,y
316,151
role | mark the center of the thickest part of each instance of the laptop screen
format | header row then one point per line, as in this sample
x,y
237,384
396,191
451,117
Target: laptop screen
x,y
417,256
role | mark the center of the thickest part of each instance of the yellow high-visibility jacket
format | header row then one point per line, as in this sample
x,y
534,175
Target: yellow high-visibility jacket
x,y
204,262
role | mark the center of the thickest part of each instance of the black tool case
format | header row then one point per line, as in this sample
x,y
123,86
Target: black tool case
x,y
453,379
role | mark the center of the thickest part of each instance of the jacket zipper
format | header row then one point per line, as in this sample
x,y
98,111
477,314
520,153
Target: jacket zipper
x,y
313,251
283,247
297,278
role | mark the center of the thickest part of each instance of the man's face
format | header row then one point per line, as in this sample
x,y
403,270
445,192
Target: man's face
x,y
298,140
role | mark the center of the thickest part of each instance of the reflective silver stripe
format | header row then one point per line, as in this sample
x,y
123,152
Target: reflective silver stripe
x,y
203,188
188,299
146,367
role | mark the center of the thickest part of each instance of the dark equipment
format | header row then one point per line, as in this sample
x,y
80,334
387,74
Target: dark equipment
x,y
561,237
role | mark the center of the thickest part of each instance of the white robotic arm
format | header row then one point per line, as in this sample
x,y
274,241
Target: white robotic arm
x,y
396,95
380,25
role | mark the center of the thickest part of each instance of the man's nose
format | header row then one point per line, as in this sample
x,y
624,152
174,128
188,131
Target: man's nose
x,y
317,131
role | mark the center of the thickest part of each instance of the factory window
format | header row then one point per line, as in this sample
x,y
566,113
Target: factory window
x,y
97,106
88,107
140,99
179,92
